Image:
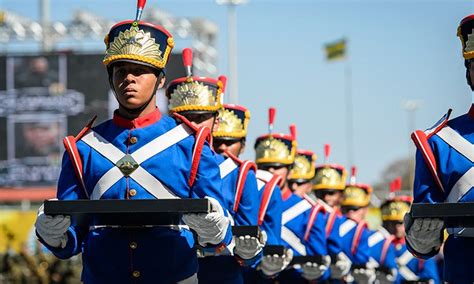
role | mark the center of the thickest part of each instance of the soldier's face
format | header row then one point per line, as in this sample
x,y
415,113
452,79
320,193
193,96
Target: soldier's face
x,y
333,198
202,119
471,72
133,84
302,188
282,172
235,147
357,215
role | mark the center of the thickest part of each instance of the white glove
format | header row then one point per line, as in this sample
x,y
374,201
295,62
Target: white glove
x,y
211,228
423,234
52,229
273,264
312,270
341,267
364,275
246,247
385,278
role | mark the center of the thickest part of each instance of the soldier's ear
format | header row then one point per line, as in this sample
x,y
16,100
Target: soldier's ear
x,y
242,148
468,78
468,63
161,80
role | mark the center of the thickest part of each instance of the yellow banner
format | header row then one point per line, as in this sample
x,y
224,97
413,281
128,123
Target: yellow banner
x,y
374,218
16,229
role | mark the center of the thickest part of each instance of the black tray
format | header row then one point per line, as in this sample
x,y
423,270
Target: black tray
x,y
126,212
274,249
454,214
253,231
301,260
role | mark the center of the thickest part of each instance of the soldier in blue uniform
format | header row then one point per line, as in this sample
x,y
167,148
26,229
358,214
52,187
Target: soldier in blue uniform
x,y
443,173
300,182
328,184
230,140
199,100
139,154
356,200
410,268
302,223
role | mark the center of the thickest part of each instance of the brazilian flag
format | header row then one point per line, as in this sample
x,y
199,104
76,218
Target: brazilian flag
x,y
336,50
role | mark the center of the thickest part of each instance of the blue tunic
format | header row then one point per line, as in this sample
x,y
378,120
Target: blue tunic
x,y
451,145
382,250
225,268
147,255
295,225
412,269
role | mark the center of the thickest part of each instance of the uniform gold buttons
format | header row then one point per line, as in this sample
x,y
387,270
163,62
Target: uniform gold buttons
x,y
133,192
136,273
133,140
133,245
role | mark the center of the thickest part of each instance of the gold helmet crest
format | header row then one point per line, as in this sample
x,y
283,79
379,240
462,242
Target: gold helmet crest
x,y
233,122
395,209
303,168
278,149
466,35
196,94
357,195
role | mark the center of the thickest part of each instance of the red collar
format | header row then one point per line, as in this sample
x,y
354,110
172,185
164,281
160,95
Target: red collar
x,y
471,112
398,241
285,193
138,122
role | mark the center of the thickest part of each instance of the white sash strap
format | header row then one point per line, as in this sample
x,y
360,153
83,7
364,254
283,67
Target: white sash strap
x,y
455,140
290,238
145,179
407,274
402,261
346,227
375,238
103,147
161,143
151,184
405,258
294,211
106,182
266,176
462,186
227,167
260,184
325,205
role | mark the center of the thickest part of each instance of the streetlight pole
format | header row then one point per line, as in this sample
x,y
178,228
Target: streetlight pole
x,y
411,106
45,24
232,46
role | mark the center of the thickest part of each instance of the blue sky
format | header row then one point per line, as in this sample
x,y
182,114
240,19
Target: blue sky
x,y
398,50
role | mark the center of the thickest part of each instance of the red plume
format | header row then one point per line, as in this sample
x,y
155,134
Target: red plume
x,y
398,183
140,7
223,79
188,60
293,131
271,118
327,152
353,175
141,4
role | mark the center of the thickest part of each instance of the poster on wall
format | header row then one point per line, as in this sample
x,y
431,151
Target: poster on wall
x,y
46,97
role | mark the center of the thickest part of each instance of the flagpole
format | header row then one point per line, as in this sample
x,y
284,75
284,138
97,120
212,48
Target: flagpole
x,y
349,113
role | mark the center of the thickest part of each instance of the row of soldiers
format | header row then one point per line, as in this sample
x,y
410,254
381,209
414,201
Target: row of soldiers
x,y
310,223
